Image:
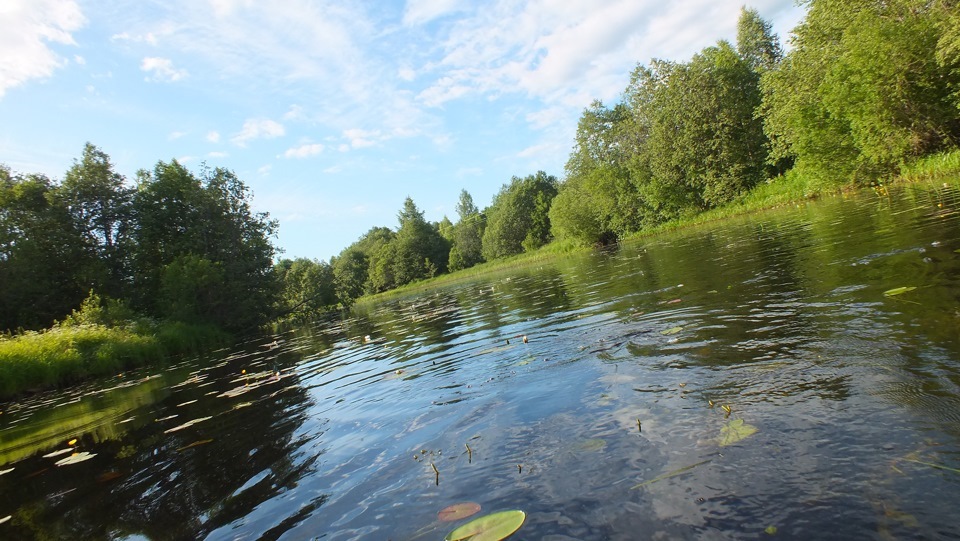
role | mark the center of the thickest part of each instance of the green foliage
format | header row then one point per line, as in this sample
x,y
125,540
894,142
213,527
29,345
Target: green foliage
x,y
95,310
40,253
866,87
466,238
597,208
307,286
757,45
518,220
183,220
192,290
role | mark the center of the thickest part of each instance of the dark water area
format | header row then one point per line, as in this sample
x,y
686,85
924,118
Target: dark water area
x,y
610,421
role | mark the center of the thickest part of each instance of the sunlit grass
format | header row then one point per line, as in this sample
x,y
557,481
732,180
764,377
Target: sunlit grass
x,y
935,167
67,354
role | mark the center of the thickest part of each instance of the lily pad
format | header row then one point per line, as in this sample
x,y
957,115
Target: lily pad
x,y
898,291
458,511
671,330
492,527
593,444
73,459
674,473
735,431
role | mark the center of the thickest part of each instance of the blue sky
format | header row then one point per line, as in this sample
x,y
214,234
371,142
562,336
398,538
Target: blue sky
x,y
333,111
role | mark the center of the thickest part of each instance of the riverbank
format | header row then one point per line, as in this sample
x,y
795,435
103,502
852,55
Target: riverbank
x,y
789,189
90,344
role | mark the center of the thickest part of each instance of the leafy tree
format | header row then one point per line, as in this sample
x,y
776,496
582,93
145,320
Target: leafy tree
x,y
518,218
467,237
419,250
192,290
350,274
597,208
863,89
307,285
178,214
99,204
702,143
757,45
40,250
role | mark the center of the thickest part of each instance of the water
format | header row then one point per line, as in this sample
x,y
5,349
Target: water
x,y
334,431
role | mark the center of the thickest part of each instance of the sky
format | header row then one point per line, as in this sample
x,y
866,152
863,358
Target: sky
x,y
334,111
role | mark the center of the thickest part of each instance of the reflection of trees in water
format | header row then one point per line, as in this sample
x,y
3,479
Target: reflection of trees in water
x,y
158,486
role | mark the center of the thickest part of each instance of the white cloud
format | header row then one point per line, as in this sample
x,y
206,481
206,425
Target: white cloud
x,y
217,154
265,170
258,128
294,113
79,60
148,38
27,28
303,151
161,69
176,135
406,74
424,11
213,136
363,138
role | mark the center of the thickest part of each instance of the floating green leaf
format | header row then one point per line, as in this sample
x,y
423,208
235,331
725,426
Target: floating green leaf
x,y
493,527
898,291
668,475
73,459
458,511
735,431
771,530
671,330
593,444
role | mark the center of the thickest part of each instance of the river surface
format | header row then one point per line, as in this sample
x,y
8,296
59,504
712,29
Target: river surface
x,y
766,377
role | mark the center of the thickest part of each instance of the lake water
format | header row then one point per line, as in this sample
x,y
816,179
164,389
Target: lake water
x,y
610,421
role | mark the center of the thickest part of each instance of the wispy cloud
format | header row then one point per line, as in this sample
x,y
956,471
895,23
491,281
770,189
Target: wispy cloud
x,y
303,151
27,27
258,128
217,154
161,69
213,136
424,11
176,135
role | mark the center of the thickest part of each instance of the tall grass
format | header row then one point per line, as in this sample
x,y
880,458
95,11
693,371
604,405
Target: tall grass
x,y
935,167
95,341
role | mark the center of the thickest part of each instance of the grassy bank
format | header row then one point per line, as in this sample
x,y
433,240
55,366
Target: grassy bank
x,y
786,190
93,342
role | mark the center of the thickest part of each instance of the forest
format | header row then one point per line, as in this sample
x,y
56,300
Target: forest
x,y
864,89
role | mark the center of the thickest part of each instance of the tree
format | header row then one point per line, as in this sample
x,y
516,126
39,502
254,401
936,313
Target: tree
x,y
178,214
99,204
466,248
40,251
419,250
863,89
757,45
518,219
307,285
703,144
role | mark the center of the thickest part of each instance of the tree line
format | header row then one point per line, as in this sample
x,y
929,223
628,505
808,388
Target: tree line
x,y
866,87
175,245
